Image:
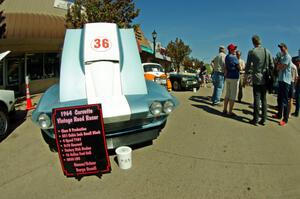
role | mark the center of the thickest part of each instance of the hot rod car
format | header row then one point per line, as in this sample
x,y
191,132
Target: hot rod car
x,y
101,65
155,72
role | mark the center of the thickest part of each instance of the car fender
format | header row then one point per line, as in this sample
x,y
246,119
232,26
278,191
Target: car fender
x,y
158,92
7,97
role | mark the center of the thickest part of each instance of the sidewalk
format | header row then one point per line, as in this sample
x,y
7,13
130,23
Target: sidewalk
x,y
21,101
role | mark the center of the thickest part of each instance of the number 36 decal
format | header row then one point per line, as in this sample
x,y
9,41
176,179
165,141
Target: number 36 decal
x,y
101,44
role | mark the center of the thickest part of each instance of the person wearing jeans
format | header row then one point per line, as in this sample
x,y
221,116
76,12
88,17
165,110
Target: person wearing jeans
x,y
218,65
218,82
284,79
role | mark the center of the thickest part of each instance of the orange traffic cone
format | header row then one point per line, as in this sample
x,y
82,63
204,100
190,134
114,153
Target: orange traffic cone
x,y
28,99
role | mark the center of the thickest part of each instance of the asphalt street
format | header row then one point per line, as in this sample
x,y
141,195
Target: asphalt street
x,y
199,154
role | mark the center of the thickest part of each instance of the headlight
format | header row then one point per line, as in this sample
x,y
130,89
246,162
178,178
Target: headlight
x,y
156,108
44,121
168,107
158,80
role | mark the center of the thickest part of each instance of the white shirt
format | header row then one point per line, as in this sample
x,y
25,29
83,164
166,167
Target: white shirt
x,y
242,65
219,62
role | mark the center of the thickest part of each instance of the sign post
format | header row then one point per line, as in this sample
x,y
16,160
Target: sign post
x,y
80,140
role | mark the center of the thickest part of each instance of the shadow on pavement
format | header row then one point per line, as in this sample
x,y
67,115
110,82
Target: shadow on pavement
x,y
16,119
244,111
219,113
206,100
244,103
201,99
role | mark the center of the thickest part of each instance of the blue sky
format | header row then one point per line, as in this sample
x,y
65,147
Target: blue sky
x,y
204,25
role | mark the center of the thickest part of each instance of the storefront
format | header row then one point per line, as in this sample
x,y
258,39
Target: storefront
x,y
34,35
147,51
35,32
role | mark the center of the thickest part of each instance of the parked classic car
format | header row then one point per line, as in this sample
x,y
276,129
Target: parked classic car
x,y
155,72
7,105
104,67
184,81
7,101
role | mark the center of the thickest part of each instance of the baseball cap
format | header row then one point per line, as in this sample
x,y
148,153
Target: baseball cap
x,y
231,47
221,47
282,45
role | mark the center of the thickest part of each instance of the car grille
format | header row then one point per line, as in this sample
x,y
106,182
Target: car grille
x,y
191,82
160,81
112,129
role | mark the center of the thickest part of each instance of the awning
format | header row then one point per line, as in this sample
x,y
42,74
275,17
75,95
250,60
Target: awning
x,y
35,32
27,25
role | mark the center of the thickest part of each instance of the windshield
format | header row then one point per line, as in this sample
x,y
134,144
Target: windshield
x,y
153,68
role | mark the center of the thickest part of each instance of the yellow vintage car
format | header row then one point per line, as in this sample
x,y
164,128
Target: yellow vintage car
x,y
155,72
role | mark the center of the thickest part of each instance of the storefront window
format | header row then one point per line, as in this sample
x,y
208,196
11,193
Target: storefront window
x,y
51,65
42,66
35,66
13,71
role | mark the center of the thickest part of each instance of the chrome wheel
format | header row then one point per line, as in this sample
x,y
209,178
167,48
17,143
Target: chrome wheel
x,y
176,86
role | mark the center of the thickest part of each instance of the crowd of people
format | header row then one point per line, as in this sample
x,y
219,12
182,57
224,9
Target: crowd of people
x,y
232,73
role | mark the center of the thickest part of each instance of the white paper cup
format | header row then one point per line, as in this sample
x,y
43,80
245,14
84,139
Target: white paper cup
x,y
124,156
195,90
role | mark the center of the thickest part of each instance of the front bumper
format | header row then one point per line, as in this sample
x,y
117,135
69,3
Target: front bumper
x,y
135,137
190,84
128,136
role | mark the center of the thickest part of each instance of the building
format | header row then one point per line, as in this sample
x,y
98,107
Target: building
x,y
34,35
147,50
35,32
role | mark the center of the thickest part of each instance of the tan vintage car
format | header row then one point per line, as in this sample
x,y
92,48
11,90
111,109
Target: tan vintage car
x,y
155,72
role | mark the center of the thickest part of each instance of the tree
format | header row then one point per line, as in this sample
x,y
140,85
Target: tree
x,y
121,12
178,51
2,23
191,63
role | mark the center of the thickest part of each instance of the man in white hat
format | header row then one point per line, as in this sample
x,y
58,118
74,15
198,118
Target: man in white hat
x,y
218,65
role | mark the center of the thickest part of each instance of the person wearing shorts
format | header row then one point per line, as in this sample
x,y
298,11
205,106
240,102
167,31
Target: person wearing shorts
x,y
232,75
231,89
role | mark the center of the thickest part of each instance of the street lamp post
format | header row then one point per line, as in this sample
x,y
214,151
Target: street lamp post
x,y
154,36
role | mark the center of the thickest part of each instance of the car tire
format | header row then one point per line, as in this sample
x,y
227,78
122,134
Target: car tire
x,y
176,86
3,123
51,142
